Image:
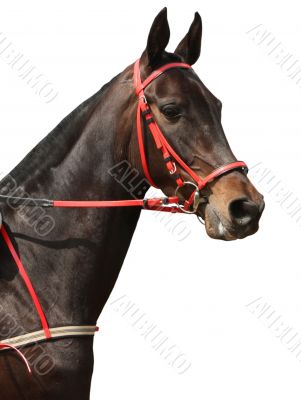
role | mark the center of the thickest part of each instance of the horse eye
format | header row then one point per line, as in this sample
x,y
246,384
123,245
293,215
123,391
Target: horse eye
x,y
170,112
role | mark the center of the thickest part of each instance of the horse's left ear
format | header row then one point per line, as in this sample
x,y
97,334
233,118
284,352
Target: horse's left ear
x,y
190,47
158,39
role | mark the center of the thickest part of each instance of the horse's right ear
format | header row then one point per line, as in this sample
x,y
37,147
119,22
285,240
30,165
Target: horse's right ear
x,y
158,39
190,47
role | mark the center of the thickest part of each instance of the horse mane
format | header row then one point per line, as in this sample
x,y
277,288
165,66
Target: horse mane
x,y
63,136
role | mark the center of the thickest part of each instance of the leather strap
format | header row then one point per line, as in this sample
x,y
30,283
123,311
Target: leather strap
x,y
156,202
27,282
141,86
56,333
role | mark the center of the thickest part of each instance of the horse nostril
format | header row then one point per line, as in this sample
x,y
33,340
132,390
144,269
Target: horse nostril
x,y
243,211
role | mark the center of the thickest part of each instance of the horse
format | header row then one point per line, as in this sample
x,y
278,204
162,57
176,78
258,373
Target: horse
x,y
73,256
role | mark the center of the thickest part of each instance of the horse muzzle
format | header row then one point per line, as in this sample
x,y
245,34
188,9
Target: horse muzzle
x,y
241,220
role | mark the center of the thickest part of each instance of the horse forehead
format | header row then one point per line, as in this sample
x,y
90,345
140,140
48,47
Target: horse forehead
x,y
180,83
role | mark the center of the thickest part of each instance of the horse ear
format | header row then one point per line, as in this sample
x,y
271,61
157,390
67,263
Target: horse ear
x,y
158,38
190,47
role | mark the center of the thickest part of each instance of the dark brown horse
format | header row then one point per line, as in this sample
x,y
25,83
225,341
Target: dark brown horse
x,y
74,256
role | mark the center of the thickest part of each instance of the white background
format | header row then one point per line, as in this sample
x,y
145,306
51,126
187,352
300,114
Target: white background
x,y
195,290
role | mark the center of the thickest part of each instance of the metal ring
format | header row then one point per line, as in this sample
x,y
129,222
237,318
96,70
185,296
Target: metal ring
x,y
176,194
181,207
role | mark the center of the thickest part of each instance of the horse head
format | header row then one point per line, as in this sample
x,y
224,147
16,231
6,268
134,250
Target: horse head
x,y
189,115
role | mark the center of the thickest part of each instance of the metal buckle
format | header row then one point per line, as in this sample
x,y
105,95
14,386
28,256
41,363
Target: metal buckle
x,y
196,199
245,170
174,168
143,98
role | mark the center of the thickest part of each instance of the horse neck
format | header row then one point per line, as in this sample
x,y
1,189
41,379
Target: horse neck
x,y
74,159
76,264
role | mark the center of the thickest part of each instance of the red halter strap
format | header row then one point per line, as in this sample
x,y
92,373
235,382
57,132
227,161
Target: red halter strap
x,y
170,157
27,282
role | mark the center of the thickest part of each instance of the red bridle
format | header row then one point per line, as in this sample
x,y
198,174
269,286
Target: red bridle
x,y
170,157
172,161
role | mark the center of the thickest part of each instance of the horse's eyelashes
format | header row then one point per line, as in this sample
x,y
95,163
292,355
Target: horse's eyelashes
x,y
170,111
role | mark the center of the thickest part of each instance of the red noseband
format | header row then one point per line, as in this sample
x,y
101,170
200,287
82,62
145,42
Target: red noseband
x,y
170,157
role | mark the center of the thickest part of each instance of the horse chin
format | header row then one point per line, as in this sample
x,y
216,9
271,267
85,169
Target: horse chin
x,y
218,228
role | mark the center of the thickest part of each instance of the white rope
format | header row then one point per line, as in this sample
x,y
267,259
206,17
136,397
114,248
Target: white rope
x,y
39,336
